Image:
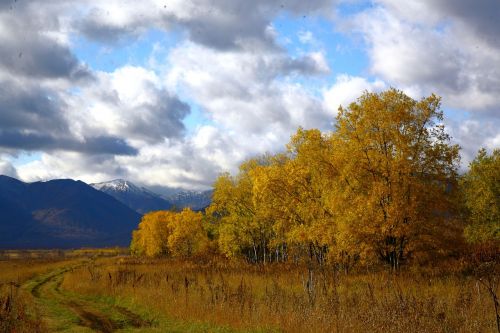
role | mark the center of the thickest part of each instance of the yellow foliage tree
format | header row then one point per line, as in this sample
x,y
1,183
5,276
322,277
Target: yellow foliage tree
x,y
187,237
381,185
292,191
242,229
151,237
481,189
167,233
397,171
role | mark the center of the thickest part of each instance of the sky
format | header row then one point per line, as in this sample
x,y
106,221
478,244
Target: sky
x,y
171,93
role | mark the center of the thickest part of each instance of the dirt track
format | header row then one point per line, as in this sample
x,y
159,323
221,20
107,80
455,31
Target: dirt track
x,y
66,312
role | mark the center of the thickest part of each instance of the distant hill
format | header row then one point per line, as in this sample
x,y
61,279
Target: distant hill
x,y
196,200
138,198
61,213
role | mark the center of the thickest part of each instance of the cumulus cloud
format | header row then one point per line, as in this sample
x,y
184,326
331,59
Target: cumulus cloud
x,y
479,18
33,118
243,92
51,101
7,169
95,125
438,46
253,109
346,90
223,24
130,102
446,47
128,122
192,163
473,134
31,49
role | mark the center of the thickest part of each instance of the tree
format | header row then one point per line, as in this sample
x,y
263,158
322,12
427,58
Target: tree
x,y
292,191
187,237
397,170
481,190
151,237
241,229
167,233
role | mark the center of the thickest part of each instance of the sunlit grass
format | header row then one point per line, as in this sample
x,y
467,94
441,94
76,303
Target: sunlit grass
x,y
227,296
288,298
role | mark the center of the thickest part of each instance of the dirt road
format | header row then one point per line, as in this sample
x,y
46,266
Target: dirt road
x,y
66,312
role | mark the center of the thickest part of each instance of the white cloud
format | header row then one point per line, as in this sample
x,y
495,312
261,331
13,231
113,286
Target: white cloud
x,y
7,169
231,67
306,37
346,90
130,102
252,104
222,24
473,134
444,47
243,92
192,163
426,43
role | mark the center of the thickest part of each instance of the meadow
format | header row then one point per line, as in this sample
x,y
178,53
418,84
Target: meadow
x,y
124,293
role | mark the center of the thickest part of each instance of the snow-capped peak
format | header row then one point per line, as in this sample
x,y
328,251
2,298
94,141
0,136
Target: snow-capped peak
x,y
120,185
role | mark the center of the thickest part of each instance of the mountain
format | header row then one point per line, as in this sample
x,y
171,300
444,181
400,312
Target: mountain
x,y
61,213
143,200
139,199
196,200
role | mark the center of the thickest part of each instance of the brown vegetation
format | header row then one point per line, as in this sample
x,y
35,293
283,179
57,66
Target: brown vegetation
x,y
294,298
18,312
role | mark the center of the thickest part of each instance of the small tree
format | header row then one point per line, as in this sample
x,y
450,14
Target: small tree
x,y
162,233
151,237
187,237
481,191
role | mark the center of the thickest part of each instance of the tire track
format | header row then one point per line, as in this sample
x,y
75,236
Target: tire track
x,y
48,288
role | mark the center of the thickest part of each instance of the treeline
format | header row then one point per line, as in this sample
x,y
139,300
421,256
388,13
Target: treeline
x,y
382,186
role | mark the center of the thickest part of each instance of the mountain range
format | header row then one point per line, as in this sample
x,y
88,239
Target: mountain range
x,y
61,213
143,200
196,200
139,199
65,213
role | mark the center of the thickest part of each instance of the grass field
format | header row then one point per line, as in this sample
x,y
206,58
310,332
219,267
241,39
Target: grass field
x,y
126,294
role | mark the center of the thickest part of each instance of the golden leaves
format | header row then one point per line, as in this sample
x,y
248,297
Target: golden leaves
x,y
178,234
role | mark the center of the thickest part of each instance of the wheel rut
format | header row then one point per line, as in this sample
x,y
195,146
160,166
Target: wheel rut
x,y
88,313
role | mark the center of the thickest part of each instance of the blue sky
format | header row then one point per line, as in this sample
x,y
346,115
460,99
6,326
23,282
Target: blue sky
x,y
171,94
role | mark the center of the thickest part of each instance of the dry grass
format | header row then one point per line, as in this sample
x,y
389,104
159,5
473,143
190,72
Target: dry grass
x,y
21,270
54,255
18,312
290,298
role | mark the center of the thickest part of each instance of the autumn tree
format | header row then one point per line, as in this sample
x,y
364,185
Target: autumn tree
x,y
381,185
241,230
168,233
397,169
187,236
151,237
292,191
481,190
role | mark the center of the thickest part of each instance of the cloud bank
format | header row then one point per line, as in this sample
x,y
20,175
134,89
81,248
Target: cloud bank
x,y
230,67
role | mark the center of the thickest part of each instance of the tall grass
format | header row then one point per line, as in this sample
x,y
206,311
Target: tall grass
x,y
18,312
292,298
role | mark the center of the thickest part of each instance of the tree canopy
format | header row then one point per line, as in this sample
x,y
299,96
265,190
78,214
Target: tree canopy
x,y
167,233
381,186
481,190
